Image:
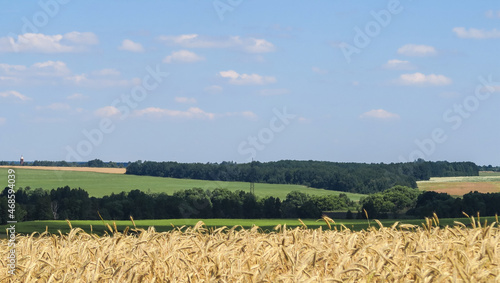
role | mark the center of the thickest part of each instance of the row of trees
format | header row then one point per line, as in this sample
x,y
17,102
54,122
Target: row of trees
x,y
398,200
75,204
347,177
395,201
489,168
446,206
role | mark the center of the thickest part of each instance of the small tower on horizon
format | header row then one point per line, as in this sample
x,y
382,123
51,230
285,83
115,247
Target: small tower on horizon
x,y
22,160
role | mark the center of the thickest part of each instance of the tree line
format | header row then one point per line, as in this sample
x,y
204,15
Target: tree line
x,y
75,204
415,204
347,177
446,206
489,168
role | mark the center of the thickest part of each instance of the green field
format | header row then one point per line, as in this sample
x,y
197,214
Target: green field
x,y
53,226
101,184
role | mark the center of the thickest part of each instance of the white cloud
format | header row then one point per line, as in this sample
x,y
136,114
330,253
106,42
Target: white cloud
x,y
82,38
249,44
101,78
185,100
191,113
106,72
254,45
76,96
11,69
50,68
417,50
9,80
246,79
379,114
492,14
422,79
129,45
476,33
14,94
77,79
213,89
108,111
273,91
396,64
318,70
57,73
84,80
55,107
183,56
185,39
41,69
41,43
2,120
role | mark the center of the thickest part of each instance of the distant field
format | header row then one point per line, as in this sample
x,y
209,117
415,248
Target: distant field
x,y
80,169
101,184
486,182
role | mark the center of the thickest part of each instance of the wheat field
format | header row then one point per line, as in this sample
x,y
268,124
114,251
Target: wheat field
x,y
401,253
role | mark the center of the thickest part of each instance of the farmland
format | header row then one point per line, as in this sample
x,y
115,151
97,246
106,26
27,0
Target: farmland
x,y
101,184
77,169
403,253
270,250
486,182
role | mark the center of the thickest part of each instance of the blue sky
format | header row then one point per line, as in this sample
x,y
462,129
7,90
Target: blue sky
x,y
212,81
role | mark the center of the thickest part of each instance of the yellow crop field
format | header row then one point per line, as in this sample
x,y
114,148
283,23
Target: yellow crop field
x,y
401,253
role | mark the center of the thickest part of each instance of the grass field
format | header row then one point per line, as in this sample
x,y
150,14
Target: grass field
x,y
162,225
486,182
101,184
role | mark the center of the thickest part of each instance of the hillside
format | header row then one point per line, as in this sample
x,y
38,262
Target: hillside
x,y
102,184
347,177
